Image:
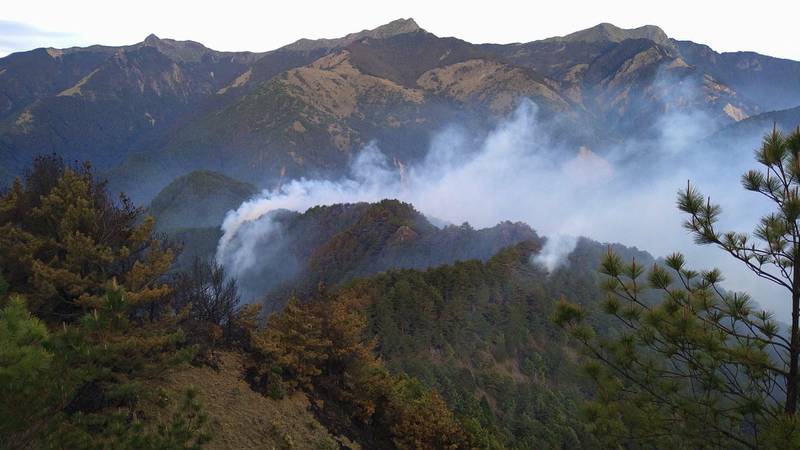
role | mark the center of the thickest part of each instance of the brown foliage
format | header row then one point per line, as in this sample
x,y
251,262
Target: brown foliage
x,y
321,348
62,238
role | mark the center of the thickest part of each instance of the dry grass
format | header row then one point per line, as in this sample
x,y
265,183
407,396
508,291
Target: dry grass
x,y
241,80
489,82
76,90
331,84
241,418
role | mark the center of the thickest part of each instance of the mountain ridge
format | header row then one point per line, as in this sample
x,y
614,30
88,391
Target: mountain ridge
x,y
393,28
164,108
612,33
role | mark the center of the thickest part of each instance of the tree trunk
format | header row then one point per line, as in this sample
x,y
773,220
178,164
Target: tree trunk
x,y
794,348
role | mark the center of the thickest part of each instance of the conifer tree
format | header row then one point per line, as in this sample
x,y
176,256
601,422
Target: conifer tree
x,y
703,367
321,346
25,367
96,323
62,238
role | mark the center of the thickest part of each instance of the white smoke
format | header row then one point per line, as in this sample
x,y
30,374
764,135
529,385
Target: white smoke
x,y
249,226
522,171
555,251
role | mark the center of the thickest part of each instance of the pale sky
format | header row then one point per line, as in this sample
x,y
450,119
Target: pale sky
x,y
766,26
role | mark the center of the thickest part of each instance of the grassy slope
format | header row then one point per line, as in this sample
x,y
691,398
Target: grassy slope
x,y
244,419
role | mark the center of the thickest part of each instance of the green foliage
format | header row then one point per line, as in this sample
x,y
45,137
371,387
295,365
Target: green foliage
x,y
479,334
62,238
83,383
698,366
25,367
187,429
3,286
198,199
75,371
701,367
335,244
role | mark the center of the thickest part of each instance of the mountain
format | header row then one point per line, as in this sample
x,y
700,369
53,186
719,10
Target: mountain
x,y
161,108
105,102
463,311
480,333
395,334
748,133
198,199
393,28
476,329
606,32
772,83
477,332
336,243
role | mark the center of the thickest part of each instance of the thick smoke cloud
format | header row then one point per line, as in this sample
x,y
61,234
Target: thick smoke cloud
x,y
521,171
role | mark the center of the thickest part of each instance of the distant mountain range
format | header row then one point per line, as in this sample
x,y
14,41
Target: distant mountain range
x,y
161,108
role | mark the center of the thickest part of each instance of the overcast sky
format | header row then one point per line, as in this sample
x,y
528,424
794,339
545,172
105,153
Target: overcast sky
x,y
765,26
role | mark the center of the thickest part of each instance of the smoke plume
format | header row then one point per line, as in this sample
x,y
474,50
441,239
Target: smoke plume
x,y
521,171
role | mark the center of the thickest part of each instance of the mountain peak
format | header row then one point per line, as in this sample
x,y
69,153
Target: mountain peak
x,y
152,39
393,28
398,26
606,32
176,50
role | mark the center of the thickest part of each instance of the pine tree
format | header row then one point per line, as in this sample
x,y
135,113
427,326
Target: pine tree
x,y
294,340
96,323
25,367
703,367
62,238
322,347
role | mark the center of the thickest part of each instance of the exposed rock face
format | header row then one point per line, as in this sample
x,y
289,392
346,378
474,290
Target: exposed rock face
x,y
734,112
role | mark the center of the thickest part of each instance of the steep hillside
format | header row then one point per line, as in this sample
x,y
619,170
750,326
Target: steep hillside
x,y
628,78
606,32
393,28
125,98
747,133
242,418
786,120
107,347
396,90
